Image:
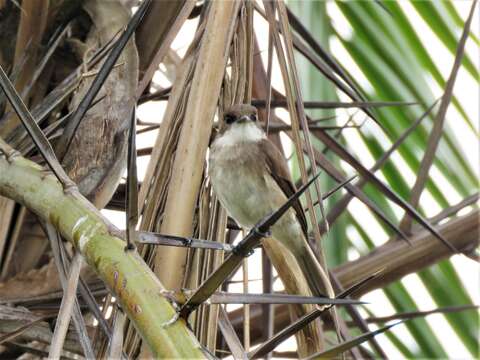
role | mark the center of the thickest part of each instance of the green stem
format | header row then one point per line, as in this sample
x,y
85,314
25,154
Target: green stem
x,y
131,281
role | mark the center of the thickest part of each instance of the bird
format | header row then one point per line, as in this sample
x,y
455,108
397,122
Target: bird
x,y
251,179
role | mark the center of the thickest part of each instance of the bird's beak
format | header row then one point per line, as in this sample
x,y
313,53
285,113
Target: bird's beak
x,y
243,119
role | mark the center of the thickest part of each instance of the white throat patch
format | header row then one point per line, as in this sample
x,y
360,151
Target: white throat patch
x,y
238,133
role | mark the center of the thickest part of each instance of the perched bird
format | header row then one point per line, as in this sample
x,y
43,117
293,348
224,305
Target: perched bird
x,y
251,179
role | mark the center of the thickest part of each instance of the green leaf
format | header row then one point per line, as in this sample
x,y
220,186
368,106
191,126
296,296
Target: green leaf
x,y
430,13
429,345
400,30
456,18
387,86
446,289
401,347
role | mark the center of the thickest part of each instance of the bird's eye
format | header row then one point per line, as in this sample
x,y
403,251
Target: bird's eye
x,y
229,119
253,117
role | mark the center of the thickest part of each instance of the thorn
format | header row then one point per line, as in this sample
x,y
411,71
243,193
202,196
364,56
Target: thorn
x,y
172,321
129,247
12,155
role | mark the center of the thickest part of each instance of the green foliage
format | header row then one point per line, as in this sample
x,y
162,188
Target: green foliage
x,y
386,47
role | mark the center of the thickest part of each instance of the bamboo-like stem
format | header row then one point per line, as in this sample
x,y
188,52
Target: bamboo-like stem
x,y
138,290
402,259
193,141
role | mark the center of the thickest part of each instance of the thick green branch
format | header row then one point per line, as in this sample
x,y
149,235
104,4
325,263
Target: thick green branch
x,y
139,292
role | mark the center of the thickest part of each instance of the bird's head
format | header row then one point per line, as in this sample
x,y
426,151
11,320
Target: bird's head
x,y
240,114
240,125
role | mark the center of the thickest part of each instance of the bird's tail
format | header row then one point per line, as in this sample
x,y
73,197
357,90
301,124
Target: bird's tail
x,y
314,274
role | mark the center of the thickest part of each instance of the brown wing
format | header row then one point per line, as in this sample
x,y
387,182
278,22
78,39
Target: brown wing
x,y
279,171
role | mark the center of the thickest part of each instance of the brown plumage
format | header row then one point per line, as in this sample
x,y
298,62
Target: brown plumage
x,y
274,159
278,169
241,109
251,179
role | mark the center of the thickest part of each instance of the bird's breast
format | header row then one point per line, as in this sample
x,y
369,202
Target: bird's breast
x,y
248,192
238,179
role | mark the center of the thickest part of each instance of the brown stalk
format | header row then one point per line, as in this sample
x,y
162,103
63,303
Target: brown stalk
x,y
6,210
174,174
310,338
294,99
249,39
216,259
246,308
193,141
116,343
63,264
268,312
156,33
19,331
33,22
40,333
211,224
416,314
248,60
282,103
66,308
404,259
164,147
230,336
15,235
